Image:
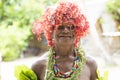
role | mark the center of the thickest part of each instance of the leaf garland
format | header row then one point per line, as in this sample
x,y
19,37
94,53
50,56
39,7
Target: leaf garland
x,y
50,72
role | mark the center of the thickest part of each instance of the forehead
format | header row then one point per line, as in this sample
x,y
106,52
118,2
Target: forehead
x,y
66,24
63,25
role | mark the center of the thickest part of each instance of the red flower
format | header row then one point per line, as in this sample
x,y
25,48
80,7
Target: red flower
x,y
66,12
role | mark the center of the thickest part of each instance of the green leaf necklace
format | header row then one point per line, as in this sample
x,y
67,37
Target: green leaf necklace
x,y
53,72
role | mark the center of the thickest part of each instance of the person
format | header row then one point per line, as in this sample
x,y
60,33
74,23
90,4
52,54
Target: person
x,y
64,26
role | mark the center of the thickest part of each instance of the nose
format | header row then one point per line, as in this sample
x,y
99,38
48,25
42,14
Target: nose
x,y
66,30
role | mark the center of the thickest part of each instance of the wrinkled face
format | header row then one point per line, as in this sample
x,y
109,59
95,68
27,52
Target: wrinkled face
x,y
64,35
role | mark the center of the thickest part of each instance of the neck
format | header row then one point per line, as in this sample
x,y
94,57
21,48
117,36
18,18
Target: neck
x,y
75,74
65,51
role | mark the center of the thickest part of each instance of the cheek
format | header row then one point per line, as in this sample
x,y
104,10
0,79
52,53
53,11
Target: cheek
x,y
55,34
73,35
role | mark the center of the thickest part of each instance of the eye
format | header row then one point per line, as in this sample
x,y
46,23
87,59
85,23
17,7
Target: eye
x,y
53,27
61,28
72,27
68,27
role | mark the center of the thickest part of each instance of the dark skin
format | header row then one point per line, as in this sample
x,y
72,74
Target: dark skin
x,y
64,45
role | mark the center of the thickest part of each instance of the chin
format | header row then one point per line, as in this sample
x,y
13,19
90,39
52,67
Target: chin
x,y
65,43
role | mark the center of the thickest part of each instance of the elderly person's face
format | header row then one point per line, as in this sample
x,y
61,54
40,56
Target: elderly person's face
x,y
64,35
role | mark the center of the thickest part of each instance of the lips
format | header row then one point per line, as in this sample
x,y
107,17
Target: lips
x,y
65,36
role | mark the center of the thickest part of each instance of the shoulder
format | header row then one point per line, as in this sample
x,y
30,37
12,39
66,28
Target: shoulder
x,y
91,63
41,62
39,66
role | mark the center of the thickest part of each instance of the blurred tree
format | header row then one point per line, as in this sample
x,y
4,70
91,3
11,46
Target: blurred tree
x,y
16,18
113,7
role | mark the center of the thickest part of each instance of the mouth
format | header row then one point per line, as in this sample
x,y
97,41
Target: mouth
x,y
65,36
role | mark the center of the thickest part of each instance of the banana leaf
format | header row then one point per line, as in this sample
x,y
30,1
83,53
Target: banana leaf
x,y
22,72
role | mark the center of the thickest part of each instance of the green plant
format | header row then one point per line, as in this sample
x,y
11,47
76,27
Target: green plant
x,y
16,19
23,72
102,77
15,25
12,41
113,6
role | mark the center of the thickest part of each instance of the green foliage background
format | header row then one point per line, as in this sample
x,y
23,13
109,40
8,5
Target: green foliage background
x,y
16,19
113,7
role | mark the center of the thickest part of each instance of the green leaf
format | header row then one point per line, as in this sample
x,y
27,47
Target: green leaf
x,y
102,77
24,73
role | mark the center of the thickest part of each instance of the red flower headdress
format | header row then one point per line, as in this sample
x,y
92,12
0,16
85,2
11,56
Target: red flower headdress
x,y
66,12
